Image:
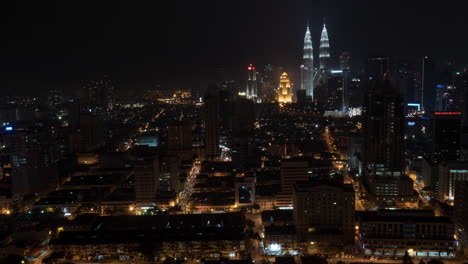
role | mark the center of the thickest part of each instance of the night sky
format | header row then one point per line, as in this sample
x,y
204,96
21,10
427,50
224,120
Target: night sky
x,y
58,44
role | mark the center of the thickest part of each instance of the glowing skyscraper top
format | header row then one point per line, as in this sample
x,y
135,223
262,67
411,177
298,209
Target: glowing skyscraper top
x,y
324,50
307,67
251,89
284,89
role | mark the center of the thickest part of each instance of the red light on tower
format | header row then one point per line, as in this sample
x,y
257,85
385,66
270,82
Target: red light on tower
x,y
447,113
249,68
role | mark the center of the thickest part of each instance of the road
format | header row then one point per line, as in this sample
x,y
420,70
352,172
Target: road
x,y
340,166
185,194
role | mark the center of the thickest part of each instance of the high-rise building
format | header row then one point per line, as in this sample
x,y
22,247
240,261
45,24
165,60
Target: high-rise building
x,y
169,181
324,211
428,85
384,147
179,139
268,84
251,89
335,91
90,135
345,61
242,132
301,97
292,171
378,68
284,89
99,94
449,175
34,156
355,92
212,127
446,136
324,49
460,216
307,67
384,128
146,173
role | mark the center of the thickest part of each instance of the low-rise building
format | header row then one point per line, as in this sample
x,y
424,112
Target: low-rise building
x,y
391,233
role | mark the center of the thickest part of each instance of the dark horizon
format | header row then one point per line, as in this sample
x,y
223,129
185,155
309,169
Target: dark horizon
x,y
60,44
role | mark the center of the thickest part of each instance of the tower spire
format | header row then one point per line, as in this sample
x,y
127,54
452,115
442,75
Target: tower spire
x,y
307,67
324,56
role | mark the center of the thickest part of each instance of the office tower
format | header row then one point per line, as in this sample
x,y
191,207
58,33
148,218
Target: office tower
x,y
34,159
324,212
450,173
378,68
169,181
384,128
179,139
324,49
462,98
345,61
147,174
384,146
54,99
460,85
242,132
251,90
284,89
460,216
335,91
292,171
441,98
428,85
71,110
446,135
355,92
301,97
211,122
307,67
268,84
99,94
90,135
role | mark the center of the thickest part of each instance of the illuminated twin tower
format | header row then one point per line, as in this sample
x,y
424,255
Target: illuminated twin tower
x,y
309,74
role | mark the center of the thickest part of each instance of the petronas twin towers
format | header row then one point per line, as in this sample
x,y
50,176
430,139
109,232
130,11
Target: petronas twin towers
x,y
309,74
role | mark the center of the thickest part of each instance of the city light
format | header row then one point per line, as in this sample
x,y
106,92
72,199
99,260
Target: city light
x,y
447,113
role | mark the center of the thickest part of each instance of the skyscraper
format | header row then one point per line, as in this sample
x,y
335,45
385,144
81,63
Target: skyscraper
x,y
446,135
146,173
378,68
284,89
243,119
99,94
384,147
211,121
324,56
251,90
460,216
34,158
335,84
345,61
268,84
428,85
179,137
307,67
384,128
